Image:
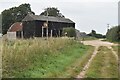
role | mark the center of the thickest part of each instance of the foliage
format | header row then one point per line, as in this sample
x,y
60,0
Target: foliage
x,y
96,35
93,32
14,14
113,34
52,11
69,31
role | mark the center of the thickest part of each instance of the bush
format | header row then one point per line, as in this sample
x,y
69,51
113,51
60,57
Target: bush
x,y
113,34
70,32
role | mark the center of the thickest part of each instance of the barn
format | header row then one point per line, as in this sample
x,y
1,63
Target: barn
x,y
42,26
39,26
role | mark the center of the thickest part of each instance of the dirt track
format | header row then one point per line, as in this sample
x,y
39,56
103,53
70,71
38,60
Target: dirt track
x,y
96,44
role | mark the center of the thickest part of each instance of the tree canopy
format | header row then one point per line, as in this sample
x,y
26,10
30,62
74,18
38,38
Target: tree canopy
x,y
52,11
14,14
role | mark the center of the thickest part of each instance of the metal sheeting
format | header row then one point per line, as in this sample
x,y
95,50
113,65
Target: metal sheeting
x,y
30,17
15,27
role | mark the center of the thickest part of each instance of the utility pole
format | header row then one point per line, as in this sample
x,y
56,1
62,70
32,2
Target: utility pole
x,y
108,25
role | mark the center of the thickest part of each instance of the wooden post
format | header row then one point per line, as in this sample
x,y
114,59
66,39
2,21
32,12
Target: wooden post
x,y
22,34
51,33
42,31
47,32
59,33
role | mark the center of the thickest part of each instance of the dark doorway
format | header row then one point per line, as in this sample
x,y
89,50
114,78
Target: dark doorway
x,y
18,34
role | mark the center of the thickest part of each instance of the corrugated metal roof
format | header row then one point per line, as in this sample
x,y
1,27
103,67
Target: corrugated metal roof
x,y
15,27
30,17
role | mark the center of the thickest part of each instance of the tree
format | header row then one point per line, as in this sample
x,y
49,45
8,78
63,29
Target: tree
x,y
93,33
52,11
14,14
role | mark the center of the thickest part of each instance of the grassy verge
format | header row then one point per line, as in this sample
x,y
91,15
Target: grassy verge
x,y
40,58
87,38
75,68
104,65
116,48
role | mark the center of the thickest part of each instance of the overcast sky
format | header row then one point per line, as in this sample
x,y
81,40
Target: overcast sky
x,y
87,14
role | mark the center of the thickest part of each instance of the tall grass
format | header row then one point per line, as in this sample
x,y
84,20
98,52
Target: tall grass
x,y
21,53
39,57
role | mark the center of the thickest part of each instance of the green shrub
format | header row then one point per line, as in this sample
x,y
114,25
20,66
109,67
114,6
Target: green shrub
x,y
113,34
70,32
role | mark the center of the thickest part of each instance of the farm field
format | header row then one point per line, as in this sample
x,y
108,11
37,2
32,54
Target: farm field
x,y
40,58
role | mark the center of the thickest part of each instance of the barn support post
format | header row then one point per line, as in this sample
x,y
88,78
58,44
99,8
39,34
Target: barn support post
x,y
47,32
59,33
42,31
22,34
51,32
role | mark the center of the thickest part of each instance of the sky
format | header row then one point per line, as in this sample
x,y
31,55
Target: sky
x,y
87,14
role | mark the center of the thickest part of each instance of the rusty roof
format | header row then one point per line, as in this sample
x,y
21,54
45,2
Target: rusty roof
x,y
15,27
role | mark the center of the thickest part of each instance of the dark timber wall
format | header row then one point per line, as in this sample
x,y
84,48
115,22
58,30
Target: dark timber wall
x,y
34,28
29,29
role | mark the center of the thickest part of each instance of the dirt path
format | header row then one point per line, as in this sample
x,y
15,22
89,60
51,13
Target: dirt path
x,y
96,44
83,72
